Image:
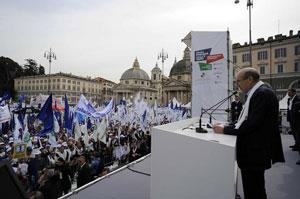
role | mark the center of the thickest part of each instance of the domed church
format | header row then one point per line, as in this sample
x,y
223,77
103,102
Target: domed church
x,y
159,87
135,80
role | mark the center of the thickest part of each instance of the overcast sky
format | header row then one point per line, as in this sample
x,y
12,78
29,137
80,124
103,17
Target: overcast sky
x,y
103,37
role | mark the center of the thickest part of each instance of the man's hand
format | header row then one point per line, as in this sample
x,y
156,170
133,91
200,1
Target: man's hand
x,y
218,128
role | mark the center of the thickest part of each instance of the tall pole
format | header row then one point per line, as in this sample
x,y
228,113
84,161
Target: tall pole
x,y
163,56
249,5
49,55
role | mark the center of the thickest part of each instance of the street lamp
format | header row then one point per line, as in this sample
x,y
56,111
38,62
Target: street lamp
x,y
249,5
49,55
163,56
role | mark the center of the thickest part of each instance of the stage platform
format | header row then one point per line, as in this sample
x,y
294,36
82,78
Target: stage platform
x,y
282,180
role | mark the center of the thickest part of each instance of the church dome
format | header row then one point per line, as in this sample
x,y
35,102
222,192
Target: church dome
x,y
156,69
183,66
135,72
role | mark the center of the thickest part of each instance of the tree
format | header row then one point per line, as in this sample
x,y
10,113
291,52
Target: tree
x,y
8,71
41,70
30,68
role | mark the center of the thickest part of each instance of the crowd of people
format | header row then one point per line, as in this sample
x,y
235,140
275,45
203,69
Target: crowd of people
x,y
51,169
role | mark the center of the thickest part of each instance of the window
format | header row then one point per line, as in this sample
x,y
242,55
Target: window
x,y
74,88
246,57
126,82
33,81
262,69
262,55
63,80
179,77
54,80
154,76
69,81
63,87
41,81
297,50
29,82
74,82
297,66
280,68
58,80
78,83
234,59
280,52
69,87
142,82
57,87
135,82
78,88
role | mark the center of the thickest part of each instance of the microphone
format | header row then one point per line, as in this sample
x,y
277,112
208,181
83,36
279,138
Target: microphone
x,y
213,108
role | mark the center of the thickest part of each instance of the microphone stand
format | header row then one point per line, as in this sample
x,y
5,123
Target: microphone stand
x,y
213,108
200,129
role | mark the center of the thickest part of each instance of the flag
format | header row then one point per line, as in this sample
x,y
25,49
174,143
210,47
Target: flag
x,y
67,116
6,96
52,139
4,114
18,126
46,116
20,101
55,124
85,107
77,131
105,111
144,115
101,131
26,135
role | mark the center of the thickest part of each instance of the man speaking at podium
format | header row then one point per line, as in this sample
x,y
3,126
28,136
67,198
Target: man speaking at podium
x,y
258,143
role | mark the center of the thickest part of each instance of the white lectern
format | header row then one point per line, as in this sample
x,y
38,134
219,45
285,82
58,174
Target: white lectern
x,y
190,165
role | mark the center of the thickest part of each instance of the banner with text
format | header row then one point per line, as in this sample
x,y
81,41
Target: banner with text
x,y
211,72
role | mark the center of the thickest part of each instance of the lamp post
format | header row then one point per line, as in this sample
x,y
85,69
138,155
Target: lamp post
x,y
163,56
249,6
49,55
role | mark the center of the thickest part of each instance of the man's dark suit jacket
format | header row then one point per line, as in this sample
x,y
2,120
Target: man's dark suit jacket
x,y
84,175
258,143
296,116
291,117
236,108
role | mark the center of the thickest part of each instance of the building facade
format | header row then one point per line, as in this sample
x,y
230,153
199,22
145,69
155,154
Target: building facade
x,y
179,84
277,59
158,88
135,80
60,84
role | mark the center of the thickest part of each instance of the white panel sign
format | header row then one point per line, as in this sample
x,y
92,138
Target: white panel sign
x,y
210,76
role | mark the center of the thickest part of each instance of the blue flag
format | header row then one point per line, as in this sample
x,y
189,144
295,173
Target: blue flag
x,y
67,115
20,101
6,96
144,115
46,116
